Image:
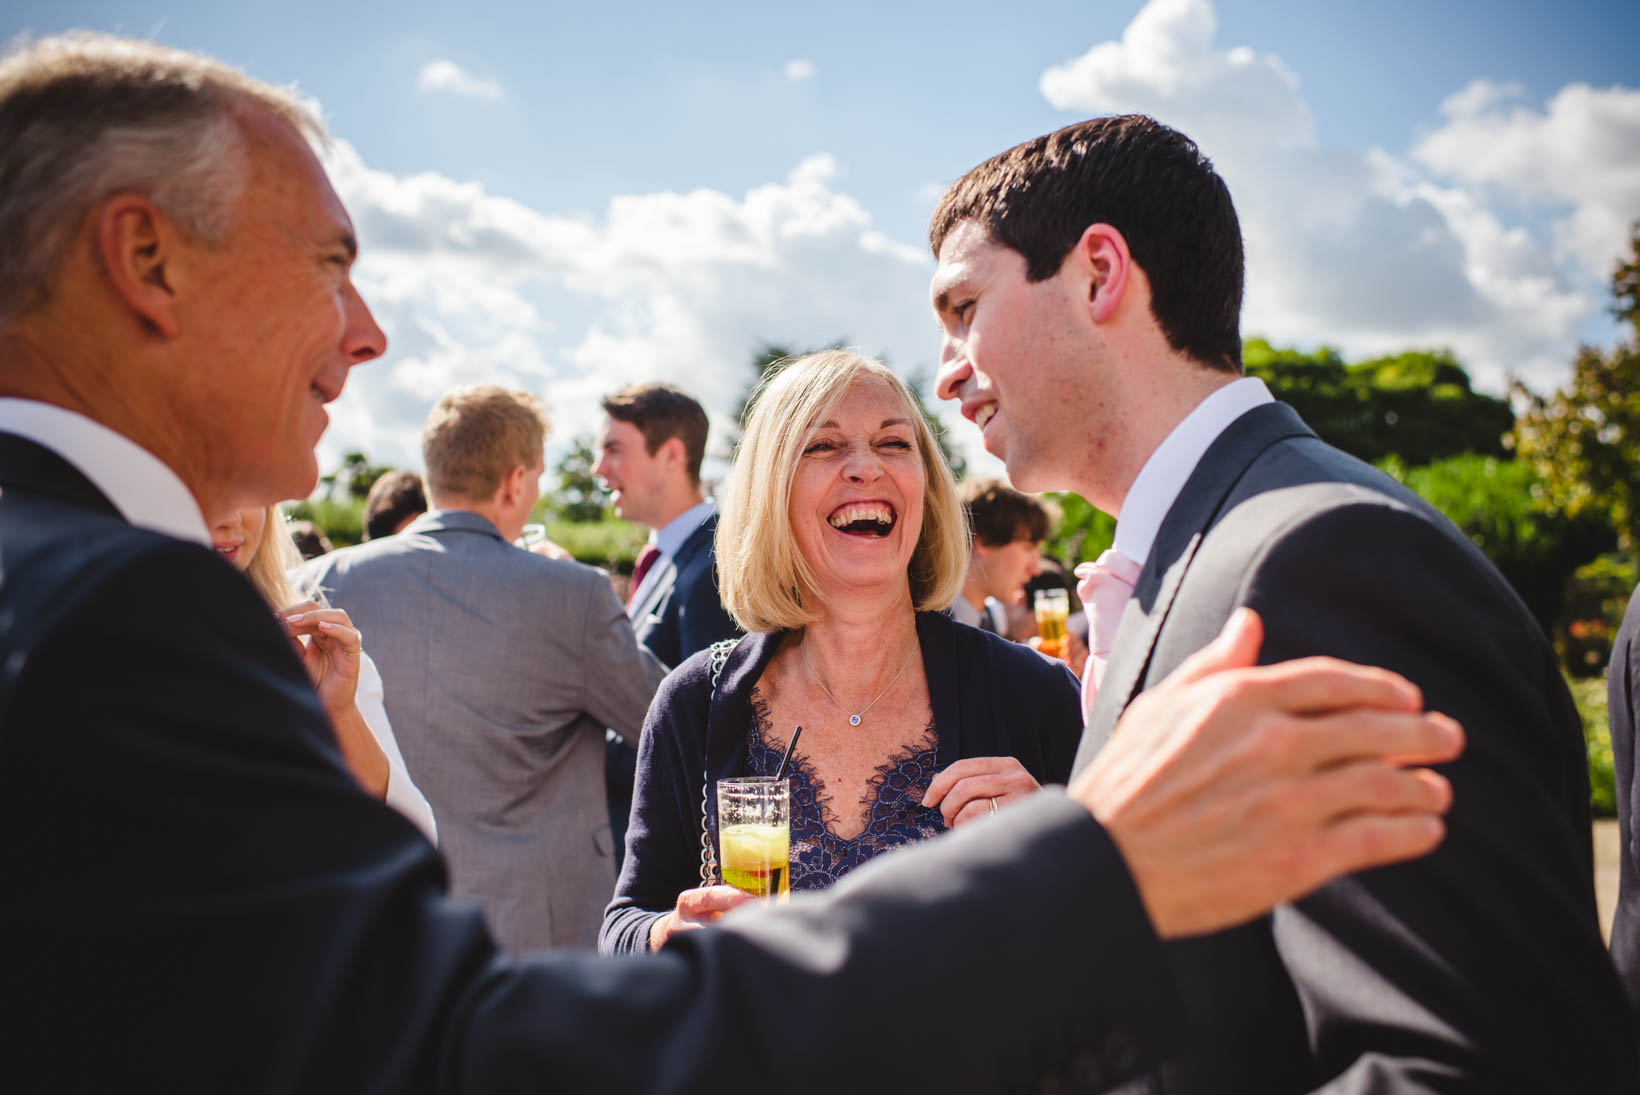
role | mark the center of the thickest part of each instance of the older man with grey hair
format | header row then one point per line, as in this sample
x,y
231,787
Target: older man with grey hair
x,y
200,898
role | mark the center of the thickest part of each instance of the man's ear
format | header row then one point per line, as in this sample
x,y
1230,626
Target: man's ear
x,y
512,485
1102,256
671,451
138,249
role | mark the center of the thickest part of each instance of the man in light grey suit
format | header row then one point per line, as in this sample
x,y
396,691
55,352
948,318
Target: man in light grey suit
x,y
502,669
1089,288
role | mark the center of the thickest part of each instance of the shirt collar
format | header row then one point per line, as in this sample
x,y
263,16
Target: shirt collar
x,y
146,492
670,537
1159,482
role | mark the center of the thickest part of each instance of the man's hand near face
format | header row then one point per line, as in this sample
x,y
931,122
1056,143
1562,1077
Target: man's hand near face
x,y
1231,788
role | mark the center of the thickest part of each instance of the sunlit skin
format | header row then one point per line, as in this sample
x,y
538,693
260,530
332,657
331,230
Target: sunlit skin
x,y
864,451
237,536
648,488
1070,379
1003,570
280,305
217,358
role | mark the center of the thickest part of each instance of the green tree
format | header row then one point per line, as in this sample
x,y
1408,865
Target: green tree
x,y
1498,504
579,497
1584,439
353,479
772,356
1417,405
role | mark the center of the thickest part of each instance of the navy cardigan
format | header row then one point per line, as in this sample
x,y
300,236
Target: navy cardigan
x,y
990,698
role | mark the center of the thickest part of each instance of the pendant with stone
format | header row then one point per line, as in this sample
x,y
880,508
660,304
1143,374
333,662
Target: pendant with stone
x,y
854,720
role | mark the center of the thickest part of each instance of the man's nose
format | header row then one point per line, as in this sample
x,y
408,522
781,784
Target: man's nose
x,y
364,340
953,370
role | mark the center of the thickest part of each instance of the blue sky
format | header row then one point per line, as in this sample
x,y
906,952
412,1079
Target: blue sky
x,y
567,198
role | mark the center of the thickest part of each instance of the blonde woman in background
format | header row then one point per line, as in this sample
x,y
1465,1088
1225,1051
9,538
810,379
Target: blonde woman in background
x,y
331,649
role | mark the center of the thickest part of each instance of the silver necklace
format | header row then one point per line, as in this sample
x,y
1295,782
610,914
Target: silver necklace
x,y
854,717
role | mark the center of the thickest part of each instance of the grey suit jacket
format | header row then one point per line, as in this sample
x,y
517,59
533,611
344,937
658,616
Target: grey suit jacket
x,y
1477,968
502,668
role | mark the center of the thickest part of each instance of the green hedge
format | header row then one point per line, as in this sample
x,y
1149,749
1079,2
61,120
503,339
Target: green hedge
x,y
1590,696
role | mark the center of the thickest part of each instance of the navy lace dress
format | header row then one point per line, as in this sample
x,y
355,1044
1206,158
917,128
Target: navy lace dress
x,y
896,814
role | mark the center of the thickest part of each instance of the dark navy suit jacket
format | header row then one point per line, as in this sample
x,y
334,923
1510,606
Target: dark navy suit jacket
x,y
199,898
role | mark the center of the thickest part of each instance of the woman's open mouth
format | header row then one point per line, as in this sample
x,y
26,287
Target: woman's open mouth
x,y
870,519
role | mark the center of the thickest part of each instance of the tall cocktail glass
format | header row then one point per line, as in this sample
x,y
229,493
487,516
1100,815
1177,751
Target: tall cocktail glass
x,y
754,835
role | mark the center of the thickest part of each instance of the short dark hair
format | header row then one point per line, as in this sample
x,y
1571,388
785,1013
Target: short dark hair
x,y
999,515
1149,182
309,541
660,412
394,496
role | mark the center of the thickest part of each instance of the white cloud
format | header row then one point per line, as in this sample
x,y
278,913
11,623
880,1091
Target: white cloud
x,y
477,288
1371,253
448,76
797,70
1578,157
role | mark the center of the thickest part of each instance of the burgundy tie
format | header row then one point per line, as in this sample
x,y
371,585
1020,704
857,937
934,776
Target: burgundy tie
x,y
1106,585
646,559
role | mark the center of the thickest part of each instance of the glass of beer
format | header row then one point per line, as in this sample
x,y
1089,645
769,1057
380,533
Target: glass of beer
x,y
1052,607
754,835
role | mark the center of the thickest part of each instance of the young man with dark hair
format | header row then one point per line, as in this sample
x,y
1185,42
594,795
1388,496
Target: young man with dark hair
x,y
396,498
1006,530
1089,289
650,449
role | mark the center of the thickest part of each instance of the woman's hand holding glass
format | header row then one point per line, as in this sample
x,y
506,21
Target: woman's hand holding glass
x,y
695,909
977,786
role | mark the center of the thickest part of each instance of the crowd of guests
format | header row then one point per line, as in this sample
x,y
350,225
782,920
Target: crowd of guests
x,y
508,666
1324,823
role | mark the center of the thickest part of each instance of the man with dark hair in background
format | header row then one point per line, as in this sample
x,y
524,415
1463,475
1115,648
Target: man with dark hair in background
x,y
1006,530
396,498
650,449
1089,289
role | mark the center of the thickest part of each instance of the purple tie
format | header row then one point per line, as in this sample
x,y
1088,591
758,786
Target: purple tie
x,y
646,559
1105,586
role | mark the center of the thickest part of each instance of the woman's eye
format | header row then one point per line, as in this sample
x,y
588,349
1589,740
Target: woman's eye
x,y
819,447
897,444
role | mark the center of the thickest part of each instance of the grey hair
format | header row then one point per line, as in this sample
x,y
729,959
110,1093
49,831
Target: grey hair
x,y
84,116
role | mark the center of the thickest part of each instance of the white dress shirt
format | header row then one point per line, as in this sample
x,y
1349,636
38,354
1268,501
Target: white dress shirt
x,y
146,492
668,540
149,495
1159,482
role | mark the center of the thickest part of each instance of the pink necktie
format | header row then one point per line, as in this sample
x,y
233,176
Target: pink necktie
x,y
646,559
1105,586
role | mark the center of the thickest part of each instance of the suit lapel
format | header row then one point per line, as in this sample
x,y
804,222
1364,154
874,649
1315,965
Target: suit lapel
x,y
1191,515
27,466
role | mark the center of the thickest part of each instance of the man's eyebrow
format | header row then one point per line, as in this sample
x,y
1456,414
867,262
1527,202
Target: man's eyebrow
x,y
942,299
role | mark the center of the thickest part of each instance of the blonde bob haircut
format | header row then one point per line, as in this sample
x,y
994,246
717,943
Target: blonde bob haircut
x,y
766,583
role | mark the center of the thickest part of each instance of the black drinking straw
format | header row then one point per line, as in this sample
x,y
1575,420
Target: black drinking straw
x,y
791,746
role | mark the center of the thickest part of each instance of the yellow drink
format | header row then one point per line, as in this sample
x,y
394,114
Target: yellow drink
x,y
756,859
1052,607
